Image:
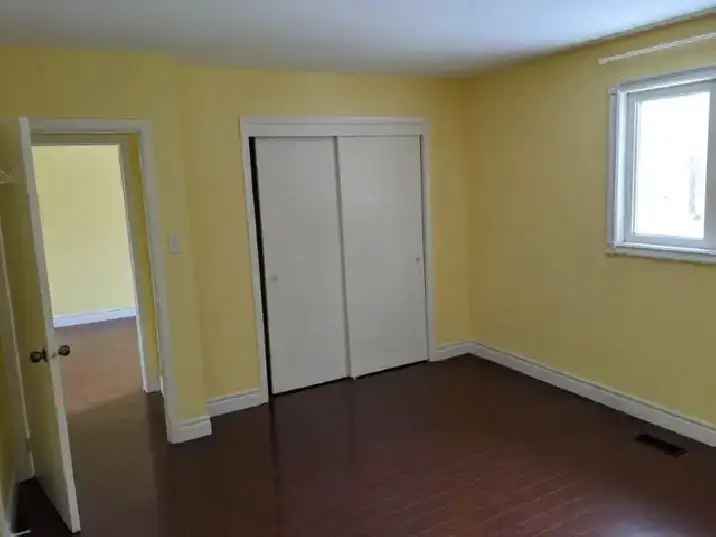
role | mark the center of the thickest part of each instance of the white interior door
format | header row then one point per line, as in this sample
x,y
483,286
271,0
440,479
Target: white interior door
x,y
30,293
298,197
382,239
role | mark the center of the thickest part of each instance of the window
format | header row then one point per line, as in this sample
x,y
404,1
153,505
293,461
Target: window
x,y
663,189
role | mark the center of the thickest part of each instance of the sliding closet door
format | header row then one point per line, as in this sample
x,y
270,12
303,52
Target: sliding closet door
x,y
297,184
382,233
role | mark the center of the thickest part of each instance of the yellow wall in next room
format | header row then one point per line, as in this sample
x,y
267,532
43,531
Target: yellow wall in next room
x,y
84,228
541,282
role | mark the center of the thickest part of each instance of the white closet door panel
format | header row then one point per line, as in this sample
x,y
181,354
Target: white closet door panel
x,y
297,183
383,248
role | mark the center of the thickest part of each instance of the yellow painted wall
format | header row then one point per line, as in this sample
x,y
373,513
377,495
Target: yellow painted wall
x,y
518,207
212,101
84,228
58,83
195,113
542,284
7,444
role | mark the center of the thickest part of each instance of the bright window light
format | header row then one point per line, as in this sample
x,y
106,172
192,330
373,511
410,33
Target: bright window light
x,y
662,188
670,173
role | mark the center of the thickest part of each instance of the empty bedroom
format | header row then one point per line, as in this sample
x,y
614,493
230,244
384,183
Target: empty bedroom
x,y
336,268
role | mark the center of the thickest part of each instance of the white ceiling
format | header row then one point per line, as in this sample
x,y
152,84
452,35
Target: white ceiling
x,y
422,36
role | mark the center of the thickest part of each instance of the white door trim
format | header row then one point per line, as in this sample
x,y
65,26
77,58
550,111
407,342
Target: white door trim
x,y
143,130
332,126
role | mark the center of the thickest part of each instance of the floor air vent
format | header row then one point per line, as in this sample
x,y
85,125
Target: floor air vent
x,y
662,445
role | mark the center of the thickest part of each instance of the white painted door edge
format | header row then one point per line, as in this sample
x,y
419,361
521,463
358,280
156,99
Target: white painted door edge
x,y
648,411
63,493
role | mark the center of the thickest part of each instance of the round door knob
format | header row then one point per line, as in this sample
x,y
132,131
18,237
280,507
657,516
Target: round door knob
x,y
64,350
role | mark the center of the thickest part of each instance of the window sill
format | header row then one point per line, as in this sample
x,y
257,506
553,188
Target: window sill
x,y
686,255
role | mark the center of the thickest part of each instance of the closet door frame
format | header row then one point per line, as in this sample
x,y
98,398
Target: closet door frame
x,y
333,126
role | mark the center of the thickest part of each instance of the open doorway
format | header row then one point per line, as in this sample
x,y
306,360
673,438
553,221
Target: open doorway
x,y
112,437
96,249
92,217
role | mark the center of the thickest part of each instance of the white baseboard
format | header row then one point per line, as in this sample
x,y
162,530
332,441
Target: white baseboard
x,y
153,386
199,427
190,430
233,402
12,508
451,350
75,319
6,526
645,410
5,530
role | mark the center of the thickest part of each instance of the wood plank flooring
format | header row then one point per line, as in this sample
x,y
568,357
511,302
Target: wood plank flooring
x,y
103,365
459,448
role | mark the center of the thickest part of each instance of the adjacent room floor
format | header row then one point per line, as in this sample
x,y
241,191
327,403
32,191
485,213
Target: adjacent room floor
x,y
104,364
459,448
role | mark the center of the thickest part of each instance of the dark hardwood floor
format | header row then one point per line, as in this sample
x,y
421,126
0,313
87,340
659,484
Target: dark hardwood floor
x,y
459,448
104,364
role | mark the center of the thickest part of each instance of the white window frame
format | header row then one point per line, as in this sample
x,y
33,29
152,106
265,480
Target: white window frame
x,y
623,104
